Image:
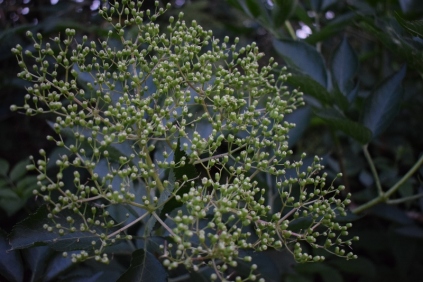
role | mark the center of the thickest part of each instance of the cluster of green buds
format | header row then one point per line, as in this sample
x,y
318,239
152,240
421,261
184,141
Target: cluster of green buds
x,y
182,102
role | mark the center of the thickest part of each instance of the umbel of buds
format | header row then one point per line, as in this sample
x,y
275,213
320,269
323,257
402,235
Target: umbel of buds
x,y
201,124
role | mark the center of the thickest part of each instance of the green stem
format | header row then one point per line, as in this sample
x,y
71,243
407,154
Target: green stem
x,y
369,204
290,30
385,196
405,199
127,226
156,177
397,185
163,224
373,169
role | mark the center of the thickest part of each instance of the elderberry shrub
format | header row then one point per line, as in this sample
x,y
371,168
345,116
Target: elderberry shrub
x,y
204,122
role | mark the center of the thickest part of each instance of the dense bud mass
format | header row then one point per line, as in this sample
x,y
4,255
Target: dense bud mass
x,y
179,130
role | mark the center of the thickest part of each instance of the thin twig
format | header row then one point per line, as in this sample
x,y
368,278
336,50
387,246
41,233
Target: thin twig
x,y
163,224
385,196
127,226
373,169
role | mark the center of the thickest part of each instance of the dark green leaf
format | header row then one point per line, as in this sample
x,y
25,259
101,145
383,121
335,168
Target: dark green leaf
x,y
18,171
401,46
203,275
4,167
30,232
35,259
301,13
327,3
26,186
22,28
10,202
92,271
8,194
349,127
56,266
315,4
144,268
309,86
303,57
340,100
411,6
152,244
11,266
331,29
353,94
255,9
414,27
383,103
85,275
269,268
361,266
321,5
282,10
344,67
179,171
301,119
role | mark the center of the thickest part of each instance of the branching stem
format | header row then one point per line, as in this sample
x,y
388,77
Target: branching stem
x,y
373,169
127,226
385,196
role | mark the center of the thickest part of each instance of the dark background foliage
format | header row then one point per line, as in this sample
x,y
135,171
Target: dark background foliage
x,y
360,64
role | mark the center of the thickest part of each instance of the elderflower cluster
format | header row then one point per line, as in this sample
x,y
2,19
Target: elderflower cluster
x,y
182,101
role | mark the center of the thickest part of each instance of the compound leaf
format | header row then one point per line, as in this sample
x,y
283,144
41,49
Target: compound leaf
x,y
4,167
303,57
11,266
383,103
349,127
344,67
311,87
144,267
30,232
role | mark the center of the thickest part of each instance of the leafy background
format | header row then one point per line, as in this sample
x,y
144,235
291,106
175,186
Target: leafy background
x,y
360,64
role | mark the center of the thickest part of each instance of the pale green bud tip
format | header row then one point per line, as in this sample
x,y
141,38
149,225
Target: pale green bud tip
x,y
30,167
13,108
